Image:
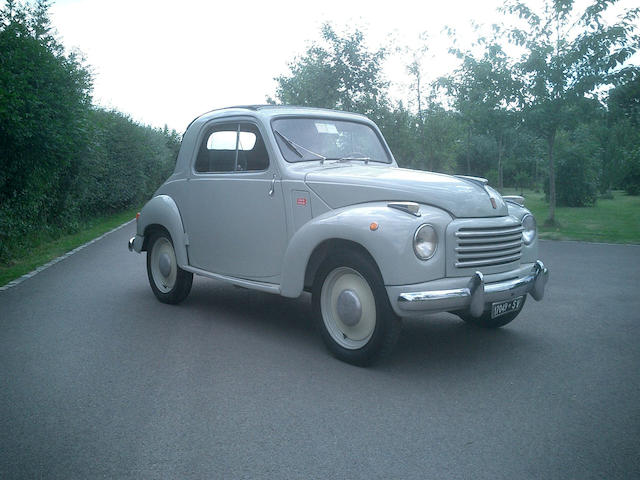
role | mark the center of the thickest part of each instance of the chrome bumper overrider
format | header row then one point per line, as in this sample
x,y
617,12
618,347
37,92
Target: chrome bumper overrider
x,y
131,240
476,294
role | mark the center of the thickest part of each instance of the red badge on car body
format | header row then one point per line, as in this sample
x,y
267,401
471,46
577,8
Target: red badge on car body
x,y
303,201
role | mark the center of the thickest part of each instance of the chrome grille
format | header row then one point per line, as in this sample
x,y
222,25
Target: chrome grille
x,y
489,246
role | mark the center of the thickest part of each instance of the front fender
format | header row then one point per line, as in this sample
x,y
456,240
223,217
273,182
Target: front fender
x,y
529,252
390,245
162,210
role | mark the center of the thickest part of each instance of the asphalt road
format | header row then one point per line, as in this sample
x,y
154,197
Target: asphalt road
x,y
99,380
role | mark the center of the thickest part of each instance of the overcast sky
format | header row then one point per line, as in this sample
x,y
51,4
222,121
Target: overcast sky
x,y
165,62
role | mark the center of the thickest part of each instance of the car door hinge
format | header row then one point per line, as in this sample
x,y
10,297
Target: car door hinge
x,y
186,239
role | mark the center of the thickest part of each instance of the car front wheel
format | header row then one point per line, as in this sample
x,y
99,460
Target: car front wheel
x,y
352,310
169,282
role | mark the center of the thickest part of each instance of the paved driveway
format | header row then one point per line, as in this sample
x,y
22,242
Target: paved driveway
x,y
98,379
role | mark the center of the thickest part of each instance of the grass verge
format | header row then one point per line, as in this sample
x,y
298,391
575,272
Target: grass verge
x,y
615,220
46,249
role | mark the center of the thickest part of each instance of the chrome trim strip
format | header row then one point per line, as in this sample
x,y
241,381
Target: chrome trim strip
x,y
434,295
477,294
488,240
465,233
415,237
491,247
493,254
491,261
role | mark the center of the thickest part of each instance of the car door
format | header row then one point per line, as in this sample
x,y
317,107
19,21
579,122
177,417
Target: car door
x,y
234,213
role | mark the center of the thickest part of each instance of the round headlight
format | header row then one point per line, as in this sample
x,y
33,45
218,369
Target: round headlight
x,y
425,242
529,225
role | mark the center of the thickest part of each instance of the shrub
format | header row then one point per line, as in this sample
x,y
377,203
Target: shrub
x,y
577,161
631,171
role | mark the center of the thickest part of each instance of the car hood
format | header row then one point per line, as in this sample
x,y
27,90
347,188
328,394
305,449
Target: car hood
x,y
348,184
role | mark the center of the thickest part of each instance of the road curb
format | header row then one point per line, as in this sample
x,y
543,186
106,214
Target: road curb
x,y
584,242
41,268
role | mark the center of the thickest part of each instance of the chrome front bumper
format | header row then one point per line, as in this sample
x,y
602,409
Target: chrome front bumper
x,y
476,294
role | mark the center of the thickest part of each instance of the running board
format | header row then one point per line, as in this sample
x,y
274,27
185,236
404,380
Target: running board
x,y
240,282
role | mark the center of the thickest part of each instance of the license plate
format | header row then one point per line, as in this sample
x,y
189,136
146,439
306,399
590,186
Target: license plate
x,y
501,308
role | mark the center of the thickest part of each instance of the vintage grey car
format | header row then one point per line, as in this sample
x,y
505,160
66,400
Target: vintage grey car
x,y
288,199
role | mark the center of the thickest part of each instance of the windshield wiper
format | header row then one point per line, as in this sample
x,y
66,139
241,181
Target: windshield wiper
x,y
294,147
289,143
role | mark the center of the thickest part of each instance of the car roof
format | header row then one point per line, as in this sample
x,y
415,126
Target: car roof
x,y
270,111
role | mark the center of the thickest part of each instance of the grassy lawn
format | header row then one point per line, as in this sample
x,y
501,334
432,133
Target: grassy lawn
x,y
614,220
47,249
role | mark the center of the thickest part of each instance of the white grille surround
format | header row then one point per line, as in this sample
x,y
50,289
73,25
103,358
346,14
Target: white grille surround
x,y
488,245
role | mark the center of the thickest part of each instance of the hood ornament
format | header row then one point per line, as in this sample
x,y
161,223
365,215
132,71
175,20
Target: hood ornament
x,y
484,183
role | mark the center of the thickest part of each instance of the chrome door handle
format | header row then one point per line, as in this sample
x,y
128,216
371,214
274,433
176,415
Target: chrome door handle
x,y
273,185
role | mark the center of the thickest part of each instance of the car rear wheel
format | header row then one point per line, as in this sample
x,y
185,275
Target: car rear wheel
x,y
485,320
352,310
169,282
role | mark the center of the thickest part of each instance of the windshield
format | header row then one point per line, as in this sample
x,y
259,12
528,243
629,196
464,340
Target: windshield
x,y
305,139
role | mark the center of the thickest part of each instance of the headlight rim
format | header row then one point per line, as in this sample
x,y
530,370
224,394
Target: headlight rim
x,y
534,235
415,241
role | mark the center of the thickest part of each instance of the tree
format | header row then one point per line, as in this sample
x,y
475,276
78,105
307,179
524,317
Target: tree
x,y
622,142
568,55
61,159
437,141
577,155
485,93
340,72
44,97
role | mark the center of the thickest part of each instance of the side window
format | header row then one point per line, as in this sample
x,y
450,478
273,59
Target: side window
x,y
232,148
252,154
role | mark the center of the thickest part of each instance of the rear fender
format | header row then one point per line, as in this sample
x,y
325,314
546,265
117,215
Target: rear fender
x,y
162,210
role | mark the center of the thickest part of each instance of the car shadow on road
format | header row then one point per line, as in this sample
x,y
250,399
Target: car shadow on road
x,y
257,311
439,341
444,343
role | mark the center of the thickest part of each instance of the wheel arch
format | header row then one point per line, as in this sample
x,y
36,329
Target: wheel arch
x,y
330,247
161,213
149,231
382,234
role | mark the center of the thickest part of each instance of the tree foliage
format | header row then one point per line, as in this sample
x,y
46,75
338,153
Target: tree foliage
x,y
539,119
485,93
568,55
61,159
340,72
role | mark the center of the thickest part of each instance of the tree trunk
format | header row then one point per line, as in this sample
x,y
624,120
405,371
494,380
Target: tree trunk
x,y
552,181
469,151
419,101
500,185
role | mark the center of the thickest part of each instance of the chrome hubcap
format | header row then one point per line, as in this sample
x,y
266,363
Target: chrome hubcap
x,y
349,308
165,264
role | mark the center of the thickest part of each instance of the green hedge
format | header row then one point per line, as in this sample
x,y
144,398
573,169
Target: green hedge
x,y
63,160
